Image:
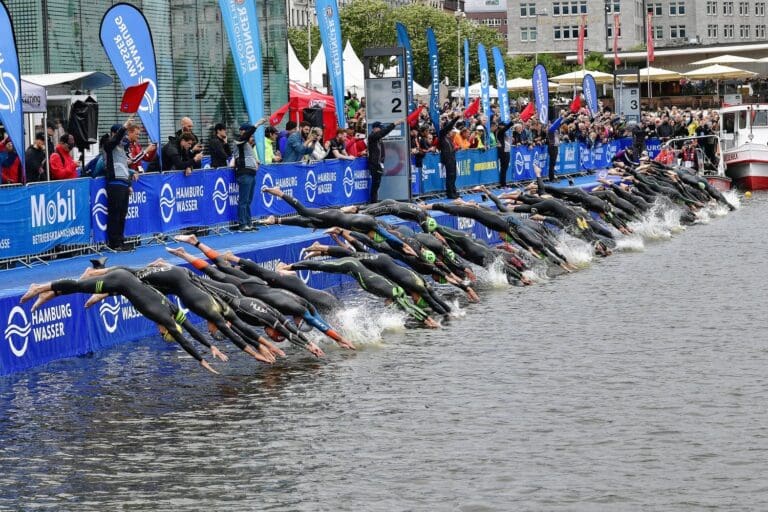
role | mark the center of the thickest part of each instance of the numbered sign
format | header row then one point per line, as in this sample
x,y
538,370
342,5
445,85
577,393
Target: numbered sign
x,y
629,103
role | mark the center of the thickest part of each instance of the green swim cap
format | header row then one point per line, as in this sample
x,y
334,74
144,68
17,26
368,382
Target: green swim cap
x,y
378,238
450,254
428,256
431,224
702,186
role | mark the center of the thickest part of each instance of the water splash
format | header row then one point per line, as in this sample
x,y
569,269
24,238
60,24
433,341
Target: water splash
x,y
576,251
630,243
366,324
493,276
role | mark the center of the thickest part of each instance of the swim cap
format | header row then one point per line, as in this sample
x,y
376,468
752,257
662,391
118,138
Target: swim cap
x,y
702,186
450,254
378,238
428,256
431,224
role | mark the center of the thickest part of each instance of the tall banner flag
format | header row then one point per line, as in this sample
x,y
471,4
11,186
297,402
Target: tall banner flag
x,y
127,41
649,39
242,24
405,42
11,114
434,72
616,30
330,34
541,93
589,87
485,89
582,32
501,84
466,73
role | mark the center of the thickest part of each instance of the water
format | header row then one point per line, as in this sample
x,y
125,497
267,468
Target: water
x,y
637,383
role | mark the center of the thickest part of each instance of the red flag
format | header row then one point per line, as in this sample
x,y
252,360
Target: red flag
x,y
413,117
278,115
576,104
132,98
473,108
649,37
582,31
527,112
616,30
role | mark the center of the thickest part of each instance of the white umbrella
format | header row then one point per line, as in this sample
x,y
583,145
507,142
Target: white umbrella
x,y
474,90
723,59
718,72
577,77
524,84
655,75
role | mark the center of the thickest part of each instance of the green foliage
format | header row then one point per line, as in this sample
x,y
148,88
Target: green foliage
x,y
298,39
594,61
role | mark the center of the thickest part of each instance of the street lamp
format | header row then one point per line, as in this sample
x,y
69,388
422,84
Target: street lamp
x,y
309,44
539,14
459,14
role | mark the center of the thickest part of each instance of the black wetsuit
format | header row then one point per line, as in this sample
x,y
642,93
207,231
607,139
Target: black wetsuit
x,y
480,253
147,301
403,210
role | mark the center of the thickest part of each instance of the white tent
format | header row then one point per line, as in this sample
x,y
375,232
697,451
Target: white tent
x,y
474,91
318,68
354,71
418,90
296,71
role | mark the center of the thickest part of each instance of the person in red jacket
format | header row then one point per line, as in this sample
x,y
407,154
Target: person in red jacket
x,y
11,164
63,166
136,154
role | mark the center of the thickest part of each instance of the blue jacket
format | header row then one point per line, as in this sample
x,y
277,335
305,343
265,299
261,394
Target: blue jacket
x,y
295,148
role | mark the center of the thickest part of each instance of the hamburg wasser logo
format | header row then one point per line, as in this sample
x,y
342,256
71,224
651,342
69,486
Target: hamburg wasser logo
x,y
348,182
109,311
99,210
150,96
267,182
9,89
17,331
519,163
167,202
304,274
310,187
220,196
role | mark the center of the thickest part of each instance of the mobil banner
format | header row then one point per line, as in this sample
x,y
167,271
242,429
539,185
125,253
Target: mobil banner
x,y
568,159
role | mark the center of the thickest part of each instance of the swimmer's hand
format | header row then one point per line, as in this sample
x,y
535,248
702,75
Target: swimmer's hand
x,y
208,367
215,352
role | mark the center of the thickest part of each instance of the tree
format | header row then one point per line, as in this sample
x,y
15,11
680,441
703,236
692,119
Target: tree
x,y
595,61
298,39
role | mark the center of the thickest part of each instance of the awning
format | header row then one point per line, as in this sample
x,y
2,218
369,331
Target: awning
x,y
33,98
64,83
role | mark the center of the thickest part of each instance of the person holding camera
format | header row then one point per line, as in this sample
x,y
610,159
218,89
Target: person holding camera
x,y
300,143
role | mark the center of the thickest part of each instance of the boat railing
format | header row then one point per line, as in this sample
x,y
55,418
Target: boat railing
x,y
708,165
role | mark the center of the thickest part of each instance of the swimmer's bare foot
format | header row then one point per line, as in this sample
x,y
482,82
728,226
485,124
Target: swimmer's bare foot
x,y
176,251
186,239
93,299
231,257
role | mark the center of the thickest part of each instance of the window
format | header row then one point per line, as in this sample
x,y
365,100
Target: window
x,y
728,31
655,9
676,31
658,32
760,31
582,6
743,8
711,8
528,34
744,31
555,8
610,31
613,6
712,31
760,9
676,8
527,10
567,32
728,8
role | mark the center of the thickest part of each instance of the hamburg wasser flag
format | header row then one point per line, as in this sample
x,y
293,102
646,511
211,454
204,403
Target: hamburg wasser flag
x,y
501,84
541,93
242,24
434,86
127,41
11,114
485,88
466,73
589,87
330,34
405,42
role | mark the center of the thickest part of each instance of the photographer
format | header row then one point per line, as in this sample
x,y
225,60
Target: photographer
x,y
300,143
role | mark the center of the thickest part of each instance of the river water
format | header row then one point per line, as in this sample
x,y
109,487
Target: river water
x,y
637,383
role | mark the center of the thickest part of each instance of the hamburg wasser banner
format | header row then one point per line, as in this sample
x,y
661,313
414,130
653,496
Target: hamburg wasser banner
x,y
127,41
541,93
589,87
242,24
434,86
405,42
501,84
485,89
330,34
11,114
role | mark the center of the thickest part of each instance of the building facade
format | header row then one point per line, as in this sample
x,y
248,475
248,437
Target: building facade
x,y
491,13
553,26
196,75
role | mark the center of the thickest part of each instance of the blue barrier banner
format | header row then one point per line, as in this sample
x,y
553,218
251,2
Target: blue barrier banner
x,y
222,192
54,331
521,159
432,174
568,159
38,217
477,167
115,319
183,200
541,158
415,181
143,205
653,146
11,115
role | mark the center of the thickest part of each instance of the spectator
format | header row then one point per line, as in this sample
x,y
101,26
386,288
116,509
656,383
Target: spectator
x,y
271,153
219,148
186,127
448,156
353,105
51,131
337,149
376,155
177,154
63,166
118,177
320,149
476,138
11,170
355,145
282,139
300,143
246,167
137,155
34,159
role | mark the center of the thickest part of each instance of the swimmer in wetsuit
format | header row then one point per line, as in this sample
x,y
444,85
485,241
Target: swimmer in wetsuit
x,y
147,301
369,281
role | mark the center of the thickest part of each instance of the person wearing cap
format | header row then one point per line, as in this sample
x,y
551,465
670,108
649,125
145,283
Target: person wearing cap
x,y
476,138
137,154
34,159
246,166
63,166
119,178
218,147
376,155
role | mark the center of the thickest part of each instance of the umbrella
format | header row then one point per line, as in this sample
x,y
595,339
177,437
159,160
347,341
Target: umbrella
x,y
524,84
655,75
723,59
718,72
577,77
474,90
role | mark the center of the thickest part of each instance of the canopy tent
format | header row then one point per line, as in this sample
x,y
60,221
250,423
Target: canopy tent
x,y
62,84
296,71
654,75
475,91
34,98
300,98
418,90
724,59
318,69
354,71
719,72
577,77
